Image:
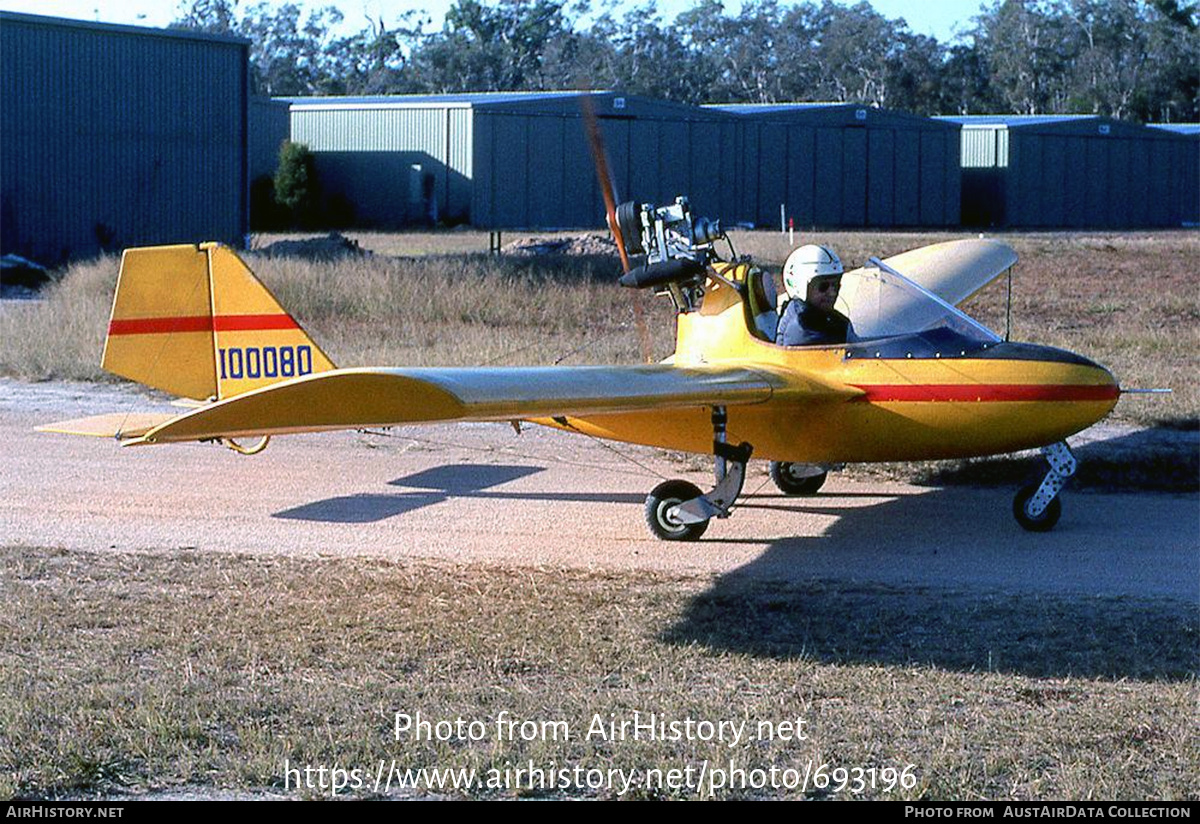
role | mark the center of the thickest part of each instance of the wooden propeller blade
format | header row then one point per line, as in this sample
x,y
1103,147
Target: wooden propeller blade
x,y
603,175
600,159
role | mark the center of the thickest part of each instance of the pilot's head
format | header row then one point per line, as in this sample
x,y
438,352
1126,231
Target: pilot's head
x,y
813,274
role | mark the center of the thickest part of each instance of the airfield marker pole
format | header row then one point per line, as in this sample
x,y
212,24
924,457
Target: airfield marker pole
x,y
791,231
782,219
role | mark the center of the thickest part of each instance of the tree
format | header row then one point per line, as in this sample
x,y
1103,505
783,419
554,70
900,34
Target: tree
x,y
745,54
212,16
1126,58
1027,51
966,86
296,186
486,48
1112,53
289,50
376,59
1173,80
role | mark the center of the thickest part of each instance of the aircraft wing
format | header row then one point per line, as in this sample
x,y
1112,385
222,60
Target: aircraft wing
x,y
358,398
957,269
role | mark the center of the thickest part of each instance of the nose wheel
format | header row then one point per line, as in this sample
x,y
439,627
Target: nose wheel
x,y
1037,507
1043,522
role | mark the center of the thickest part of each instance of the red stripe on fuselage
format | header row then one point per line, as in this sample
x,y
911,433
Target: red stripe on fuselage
x,y
971,392
201,323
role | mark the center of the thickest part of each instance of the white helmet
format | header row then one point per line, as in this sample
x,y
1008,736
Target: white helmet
x,y
806,263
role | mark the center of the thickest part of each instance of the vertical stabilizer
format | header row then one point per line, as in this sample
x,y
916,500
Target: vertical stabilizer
x,y
257,342
161,332
196,322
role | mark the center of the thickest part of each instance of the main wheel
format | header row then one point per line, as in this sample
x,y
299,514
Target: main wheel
x,y
788,477
1042,523
659,502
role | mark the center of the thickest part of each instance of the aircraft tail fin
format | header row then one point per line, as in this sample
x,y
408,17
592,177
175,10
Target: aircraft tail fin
x,y
196,322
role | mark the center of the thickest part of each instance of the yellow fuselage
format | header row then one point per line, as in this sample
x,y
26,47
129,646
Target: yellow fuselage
x,y
907,398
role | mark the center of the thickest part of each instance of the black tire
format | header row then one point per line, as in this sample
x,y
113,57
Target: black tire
x,y
790,484
1042,523
629,222
664,496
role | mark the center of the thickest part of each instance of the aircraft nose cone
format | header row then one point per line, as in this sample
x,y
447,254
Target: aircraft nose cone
x,y
1074,391
1067,369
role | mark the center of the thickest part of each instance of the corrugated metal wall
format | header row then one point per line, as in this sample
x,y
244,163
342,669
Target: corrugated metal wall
x,y
537,171
522,160
984,147
1078,173
846,166
114,136
269,127
380,156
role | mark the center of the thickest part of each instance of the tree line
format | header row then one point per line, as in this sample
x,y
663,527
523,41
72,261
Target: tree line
x,y
1131,59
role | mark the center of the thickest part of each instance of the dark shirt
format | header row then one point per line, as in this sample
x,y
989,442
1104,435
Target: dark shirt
x,y
805,325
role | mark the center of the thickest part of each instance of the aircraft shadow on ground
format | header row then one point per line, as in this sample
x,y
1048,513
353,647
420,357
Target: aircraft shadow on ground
x,y
437,485
894,584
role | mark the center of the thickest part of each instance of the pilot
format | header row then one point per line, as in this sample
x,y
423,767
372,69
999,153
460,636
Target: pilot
x,y
812,276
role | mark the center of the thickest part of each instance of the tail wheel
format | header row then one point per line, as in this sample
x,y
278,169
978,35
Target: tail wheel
x,y
793,480
659,503
1043,522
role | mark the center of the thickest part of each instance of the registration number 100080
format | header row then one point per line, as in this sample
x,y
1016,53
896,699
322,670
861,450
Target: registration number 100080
x,y
254,362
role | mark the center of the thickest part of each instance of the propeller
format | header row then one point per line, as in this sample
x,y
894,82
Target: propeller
x,y
615,216
604,176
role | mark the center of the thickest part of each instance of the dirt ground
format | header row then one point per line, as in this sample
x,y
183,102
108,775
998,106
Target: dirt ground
x,y
480,493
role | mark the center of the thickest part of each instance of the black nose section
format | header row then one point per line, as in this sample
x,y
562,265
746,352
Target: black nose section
x,y
1034,352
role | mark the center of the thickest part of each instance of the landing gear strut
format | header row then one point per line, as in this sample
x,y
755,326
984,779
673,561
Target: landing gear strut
x,y
677,511
1037,506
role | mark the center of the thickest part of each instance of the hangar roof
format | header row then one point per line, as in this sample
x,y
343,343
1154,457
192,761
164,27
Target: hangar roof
x,y
183,34
612,104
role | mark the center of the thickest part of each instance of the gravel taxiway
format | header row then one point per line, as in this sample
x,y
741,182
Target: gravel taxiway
x,y
480,494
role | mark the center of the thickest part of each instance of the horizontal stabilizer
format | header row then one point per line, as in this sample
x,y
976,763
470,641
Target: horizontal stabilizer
x,y
119,425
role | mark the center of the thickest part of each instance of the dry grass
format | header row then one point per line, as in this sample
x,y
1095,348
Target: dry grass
x,y
62,336
433,310
133,673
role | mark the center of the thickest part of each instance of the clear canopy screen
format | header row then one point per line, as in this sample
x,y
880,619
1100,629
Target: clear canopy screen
x,y
881,302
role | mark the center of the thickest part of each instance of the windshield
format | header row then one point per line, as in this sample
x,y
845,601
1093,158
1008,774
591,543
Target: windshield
x,y
881,302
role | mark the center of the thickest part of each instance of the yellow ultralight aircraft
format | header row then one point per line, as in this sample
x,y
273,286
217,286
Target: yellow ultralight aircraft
x,y
921,380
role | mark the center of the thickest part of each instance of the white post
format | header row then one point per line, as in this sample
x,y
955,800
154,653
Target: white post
x,y
782,219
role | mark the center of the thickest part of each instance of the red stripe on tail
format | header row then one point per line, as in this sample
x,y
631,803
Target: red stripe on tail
x,y
201,323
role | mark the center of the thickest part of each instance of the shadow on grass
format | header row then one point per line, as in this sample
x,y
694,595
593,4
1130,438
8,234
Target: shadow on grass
x,y
1037,636
941,578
